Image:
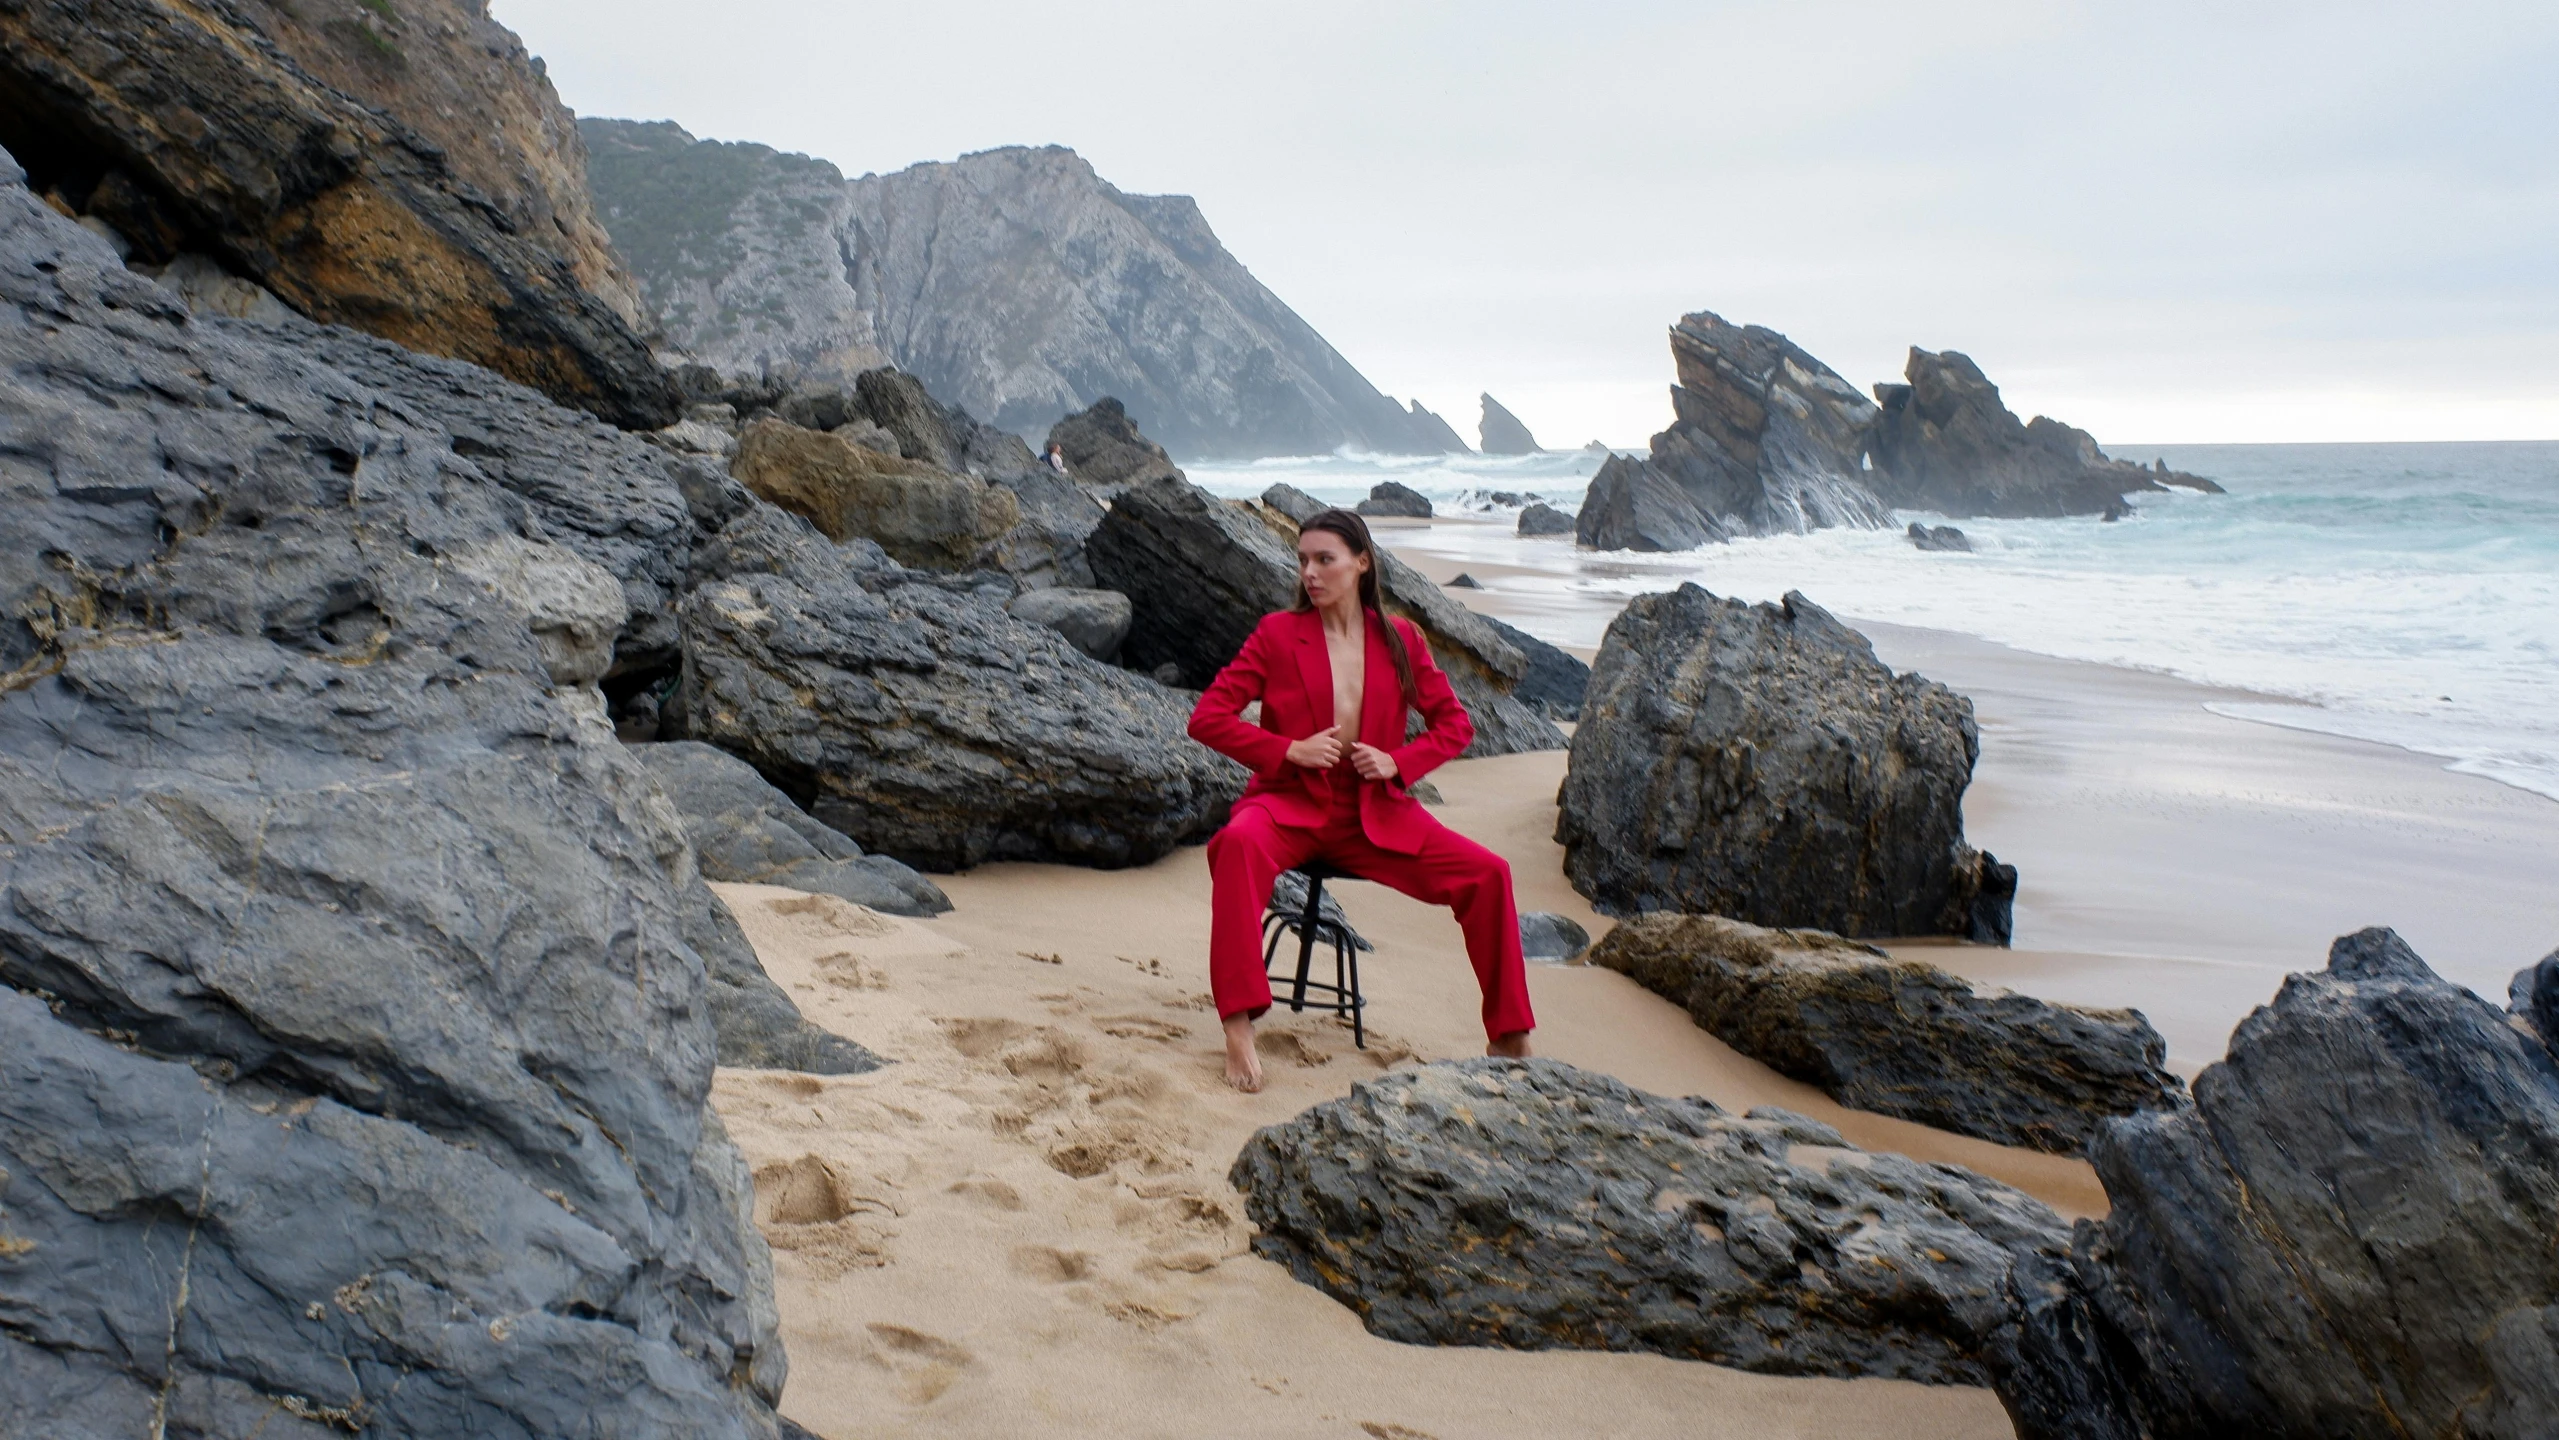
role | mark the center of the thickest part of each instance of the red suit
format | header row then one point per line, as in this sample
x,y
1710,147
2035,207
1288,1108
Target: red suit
x,y
1290,814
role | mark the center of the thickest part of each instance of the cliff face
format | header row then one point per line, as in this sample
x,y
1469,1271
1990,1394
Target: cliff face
x,y
189,129
1944,441
1015,283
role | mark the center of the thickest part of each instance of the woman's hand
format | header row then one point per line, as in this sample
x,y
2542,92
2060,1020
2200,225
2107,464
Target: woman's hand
x,y
1372,763
1319,751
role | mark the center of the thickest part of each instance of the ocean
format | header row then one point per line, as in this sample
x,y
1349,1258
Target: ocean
x,y
2406,594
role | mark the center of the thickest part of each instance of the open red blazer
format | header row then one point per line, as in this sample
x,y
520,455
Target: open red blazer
x,y
1284,665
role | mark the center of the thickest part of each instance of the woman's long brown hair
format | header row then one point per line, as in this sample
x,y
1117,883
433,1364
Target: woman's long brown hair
x,y
1354,533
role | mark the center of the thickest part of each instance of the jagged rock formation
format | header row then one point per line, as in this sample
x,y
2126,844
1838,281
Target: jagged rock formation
x,y
1103,446
1502,431
1433,435
1015,283
1945,442
1768,440
2348,1235
909,711
1541,518
918,514
1201,572
1939,537
1758,761
1393,498
1900,1037
1531,1205
746,831
298,673
187,130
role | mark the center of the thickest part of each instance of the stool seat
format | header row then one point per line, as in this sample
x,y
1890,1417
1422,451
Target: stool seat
x,y
1311,926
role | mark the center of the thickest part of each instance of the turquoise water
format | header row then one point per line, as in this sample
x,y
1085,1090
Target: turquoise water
x,y
2406,594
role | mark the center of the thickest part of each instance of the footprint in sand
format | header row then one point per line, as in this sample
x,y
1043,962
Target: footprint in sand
x,y
809,1207
989,1191
924,1366
1141,1027
1291,1046
1380,1430
1050,1265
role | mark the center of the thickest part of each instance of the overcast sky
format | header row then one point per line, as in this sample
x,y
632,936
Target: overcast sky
x,y
2162,222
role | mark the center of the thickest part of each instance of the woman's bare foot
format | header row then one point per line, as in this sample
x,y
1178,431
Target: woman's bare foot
x,y
1513,1046
1243,1067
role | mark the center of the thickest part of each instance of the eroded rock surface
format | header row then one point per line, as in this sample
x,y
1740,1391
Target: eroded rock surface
x,y
1502,432
919,514
1632,506
1900,1037
1758,761
1944,441
747,832
1531,1205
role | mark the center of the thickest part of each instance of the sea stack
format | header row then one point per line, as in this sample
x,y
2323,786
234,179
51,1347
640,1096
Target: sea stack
x,y
1502,431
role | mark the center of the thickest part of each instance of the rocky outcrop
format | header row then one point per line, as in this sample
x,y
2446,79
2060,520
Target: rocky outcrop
x,y
745,831
1093,621
1541,518
1531,1205
1900,1037
1103,446
1434,435
1555,681
1758,761
276,701
1201,572
1944,441
1502,432
1292,502
1545,935
920,515
1393,498
187,130
1632,506
1939,537
2348,1235
1014,282
910,712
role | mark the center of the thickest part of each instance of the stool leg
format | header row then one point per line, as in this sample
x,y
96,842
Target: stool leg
x,y
1306,940
1359,1005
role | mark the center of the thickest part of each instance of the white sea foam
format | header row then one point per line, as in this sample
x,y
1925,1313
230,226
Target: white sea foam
x,y
2405,594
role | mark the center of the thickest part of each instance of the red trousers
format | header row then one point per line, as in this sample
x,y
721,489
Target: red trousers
x,y
1249,854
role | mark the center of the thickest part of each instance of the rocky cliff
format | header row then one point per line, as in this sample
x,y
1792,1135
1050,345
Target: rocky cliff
x,y
1504,433
402,170
1015,283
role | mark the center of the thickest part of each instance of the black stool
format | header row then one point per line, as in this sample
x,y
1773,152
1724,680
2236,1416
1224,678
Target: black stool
x,y
1311,926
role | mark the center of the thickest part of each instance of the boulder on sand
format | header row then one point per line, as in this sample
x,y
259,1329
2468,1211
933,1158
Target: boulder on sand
x,y
1393,499
1758,761
1629,506
1555,682
1527,1204
2348,1235
919,514
1202,572
1900,1037
747,832
1541,518
1545,935
910,712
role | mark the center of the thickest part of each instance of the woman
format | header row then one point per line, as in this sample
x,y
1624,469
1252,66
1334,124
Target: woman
x,y
1332,778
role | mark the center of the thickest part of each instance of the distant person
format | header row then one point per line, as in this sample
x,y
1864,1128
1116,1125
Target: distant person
x,y
1334,673
1056,457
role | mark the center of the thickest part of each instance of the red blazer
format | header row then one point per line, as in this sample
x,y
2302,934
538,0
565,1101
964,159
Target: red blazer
x,y
1285,666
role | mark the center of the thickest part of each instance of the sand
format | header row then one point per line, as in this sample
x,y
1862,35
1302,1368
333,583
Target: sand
x,y
1023,1226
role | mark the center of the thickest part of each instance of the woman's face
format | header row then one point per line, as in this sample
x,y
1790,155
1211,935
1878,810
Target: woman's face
x,y
1328,569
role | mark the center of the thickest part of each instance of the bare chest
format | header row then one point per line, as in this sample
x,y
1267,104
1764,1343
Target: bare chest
x,y
1348,655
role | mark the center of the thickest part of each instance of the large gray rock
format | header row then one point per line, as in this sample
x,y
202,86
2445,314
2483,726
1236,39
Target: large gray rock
x,y
1545,935
1900,1037
354,1043
1292,502
1093,621
1014,282
1394,499
747,832
1541,518
1531,1205
1758,761
1944,441
1555,681
1938,537
2349,1235
1502,432
1202,572
910,712
1631,506
1433,432
1103,446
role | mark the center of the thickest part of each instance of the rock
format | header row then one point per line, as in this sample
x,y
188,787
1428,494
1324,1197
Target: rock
x,y
1630,506
747,832
760,262
1201,572
1058,517
1292,502
1103,446
1389,498
1288,897
757,1024
1767,440
2348,1235
908,711
1093,621
266,722
1939,537
1530,1205
1436,436
921,515
574,607
1900,1037
1544,519
1464,581
1426,792
1555,682
208,289
1502,431
423,192
1545,935
1946,442
870,435
1758,761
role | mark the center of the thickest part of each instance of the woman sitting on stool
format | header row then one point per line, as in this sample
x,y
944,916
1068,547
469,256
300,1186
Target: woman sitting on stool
x,y
1332,773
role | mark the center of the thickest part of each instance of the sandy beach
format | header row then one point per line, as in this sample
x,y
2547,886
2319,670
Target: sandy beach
x,y
1023,1226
